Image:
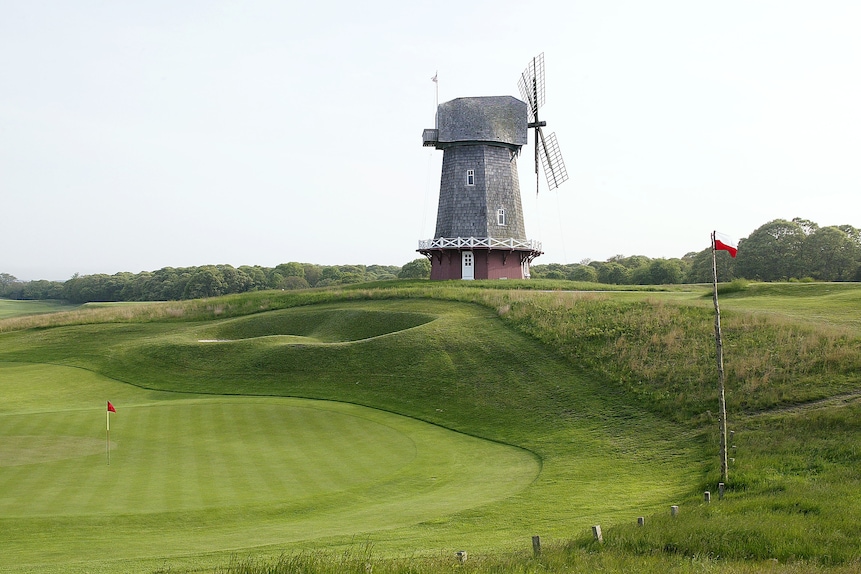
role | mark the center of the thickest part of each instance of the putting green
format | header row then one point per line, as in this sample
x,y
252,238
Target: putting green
x,y
194,474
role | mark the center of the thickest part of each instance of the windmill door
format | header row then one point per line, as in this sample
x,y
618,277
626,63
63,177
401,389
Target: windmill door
x,y
467,266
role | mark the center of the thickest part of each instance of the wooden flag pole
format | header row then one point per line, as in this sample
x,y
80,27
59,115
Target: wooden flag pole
x,y
108,436
719,353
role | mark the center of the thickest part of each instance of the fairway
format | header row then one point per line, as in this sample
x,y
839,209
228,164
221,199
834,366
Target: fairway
x,y
14,308
191,474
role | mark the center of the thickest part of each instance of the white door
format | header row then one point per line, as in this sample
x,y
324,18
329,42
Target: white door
x,y
467,266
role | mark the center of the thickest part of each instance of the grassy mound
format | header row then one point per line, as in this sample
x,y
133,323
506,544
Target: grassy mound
x,y
325,326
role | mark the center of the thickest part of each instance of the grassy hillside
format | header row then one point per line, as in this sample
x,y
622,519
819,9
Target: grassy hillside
x,y
613,392
14,308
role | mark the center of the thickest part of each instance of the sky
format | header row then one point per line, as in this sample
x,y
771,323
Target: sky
x,y
138,135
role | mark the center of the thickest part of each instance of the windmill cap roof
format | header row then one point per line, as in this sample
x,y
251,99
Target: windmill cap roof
x,y
498,119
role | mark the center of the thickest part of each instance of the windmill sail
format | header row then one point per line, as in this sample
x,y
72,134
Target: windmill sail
x,y
531,85
551,159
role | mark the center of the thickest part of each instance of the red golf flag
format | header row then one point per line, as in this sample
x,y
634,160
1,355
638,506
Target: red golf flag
x,y
724,242
111,408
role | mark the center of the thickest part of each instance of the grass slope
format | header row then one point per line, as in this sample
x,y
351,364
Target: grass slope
x,y
14,308
611,391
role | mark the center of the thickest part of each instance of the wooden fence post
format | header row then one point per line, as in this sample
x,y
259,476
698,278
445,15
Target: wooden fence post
x,y
536,545
596,532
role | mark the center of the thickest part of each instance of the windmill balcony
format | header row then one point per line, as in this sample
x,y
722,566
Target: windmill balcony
x,y
479,243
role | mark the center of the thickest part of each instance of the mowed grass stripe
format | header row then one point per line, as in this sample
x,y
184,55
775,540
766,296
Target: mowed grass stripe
x,y
272,421
140,484
234,431
206,464
182,456
302,476
48,449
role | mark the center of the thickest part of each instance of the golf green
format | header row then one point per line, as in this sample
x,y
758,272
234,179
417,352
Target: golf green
x,y
190,474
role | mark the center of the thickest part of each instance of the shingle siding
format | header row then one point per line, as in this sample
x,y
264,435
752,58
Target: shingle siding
x,y
499,119
471,210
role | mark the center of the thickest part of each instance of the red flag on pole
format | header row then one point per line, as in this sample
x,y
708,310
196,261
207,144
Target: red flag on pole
x,y
725,243
110,410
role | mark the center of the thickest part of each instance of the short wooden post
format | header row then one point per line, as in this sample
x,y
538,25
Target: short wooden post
x,y
596,532
536,545
707,496
674,510
721,489
641,521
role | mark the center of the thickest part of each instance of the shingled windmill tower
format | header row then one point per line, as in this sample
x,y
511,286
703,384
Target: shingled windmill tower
x,y
480,232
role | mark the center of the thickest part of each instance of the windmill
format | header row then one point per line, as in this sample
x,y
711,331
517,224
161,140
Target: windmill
x,y
480,233
531,85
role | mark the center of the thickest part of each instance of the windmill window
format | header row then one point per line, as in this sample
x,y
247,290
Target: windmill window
x,y
470,177
500,216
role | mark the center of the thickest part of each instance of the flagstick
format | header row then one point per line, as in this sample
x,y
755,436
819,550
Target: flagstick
x,y
719,349
108,437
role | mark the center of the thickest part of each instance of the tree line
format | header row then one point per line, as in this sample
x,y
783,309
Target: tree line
x,y
780,250
175,283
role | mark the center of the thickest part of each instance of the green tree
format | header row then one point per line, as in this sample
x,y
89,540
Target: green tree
x,y
382,272
291,269
207,281
136,287
313,273
416,269
168,284
772,252
331,273
294,282
831,255
612,273
41,290
257,276
631,261
664,272
700,268
853,232
583,273
235,281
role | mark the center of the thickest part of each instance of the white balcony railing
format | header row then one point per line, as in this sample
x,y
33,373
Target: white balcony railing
x,y
479,243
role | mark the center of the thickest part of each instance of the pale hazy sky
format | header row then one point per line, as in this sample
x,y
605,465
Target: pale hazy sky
x,y
136,135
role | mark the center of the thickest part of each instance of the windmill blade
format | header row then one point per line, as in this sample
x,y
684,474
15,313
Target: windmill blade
x,y
531,85
551,159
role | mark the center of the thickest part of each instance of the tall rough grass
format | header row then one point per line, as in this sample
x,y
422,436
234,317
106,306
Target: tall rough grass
x,y
663,353
574,556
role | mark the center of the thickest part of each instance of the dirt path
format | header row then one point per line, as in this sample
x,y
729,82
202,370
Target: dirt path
x,y
835,401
